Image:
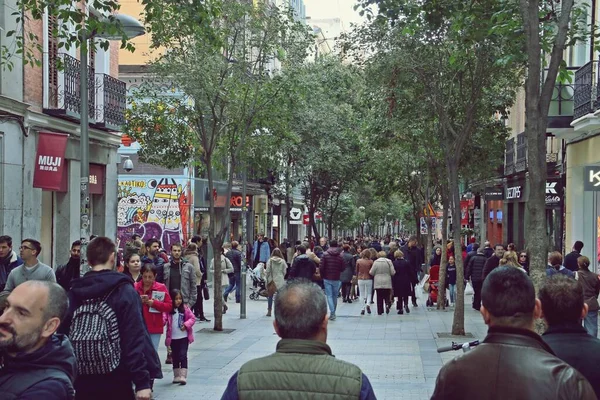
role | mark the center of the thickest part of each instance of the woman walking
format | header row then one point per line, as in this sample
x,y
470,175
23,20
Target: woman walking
x,y
276,268
133,266
226,269
451,278
524,261
591,289
382,272
365,283
402,280
156,300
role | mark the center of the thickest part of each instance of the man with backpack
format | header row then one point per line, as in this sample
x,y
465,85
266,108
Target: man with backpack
x,y
106,328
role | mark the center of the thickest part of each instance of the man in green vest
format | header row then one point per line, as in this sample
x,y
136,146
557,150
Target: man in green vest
x,y
302,366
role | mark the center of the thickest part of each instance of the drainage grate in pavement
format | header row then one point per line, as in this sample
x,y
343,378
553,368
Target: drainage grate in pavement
x,y
209,330
447,335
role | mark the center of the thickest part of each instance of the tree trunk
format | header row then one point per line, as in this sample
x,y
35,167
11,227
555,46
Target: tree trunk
x,y
216,245
537,103
441,305
458,323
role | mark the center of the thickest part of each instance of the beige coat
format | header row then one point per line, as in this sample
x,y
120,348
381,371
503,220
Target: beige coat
x,y
193,259
276,268
226,268
382,272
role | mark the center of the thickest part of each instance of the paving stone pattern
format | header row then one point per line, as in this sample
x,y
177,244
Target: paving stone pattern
x,y
397,352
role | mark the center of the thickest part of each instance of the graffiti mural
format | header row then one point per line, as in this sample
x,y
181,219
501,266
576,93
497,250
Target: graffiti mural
x,y
154,208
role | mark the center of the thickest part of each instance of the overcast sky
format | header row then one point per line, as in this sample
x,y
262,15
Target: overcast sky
x,y
342,9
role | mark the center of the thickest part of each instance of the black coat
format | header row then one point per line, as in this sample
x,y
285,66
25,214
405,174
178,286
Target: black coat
x,y
572,344
404,277
474,270
571,261
413,256
491,264
302,267
349,267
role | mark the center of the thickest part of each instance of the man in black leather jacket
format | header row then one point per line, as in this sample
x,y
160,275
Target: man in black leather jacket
x,y
474,272
564,308
513,362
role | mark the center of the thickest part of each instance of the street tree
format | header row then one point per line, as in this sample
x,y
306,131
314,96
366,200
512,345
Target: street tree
x,y
456,70
208,105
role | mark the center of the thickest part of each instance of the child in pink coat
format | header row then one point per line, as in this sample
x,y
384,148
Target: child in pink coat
x,y
179,335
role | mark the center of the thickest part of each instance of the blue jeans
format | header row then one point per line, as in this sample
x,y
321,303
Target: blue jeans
x,y
155,337
234,283
452,292
591,323
332,288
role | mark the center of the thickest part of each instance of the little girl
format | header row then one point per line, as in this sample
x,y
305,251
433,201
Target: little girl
x,y
179,335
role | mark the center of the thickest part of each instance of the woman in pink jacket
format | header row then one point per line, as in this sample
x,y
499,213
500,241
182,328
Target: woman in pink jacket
x,y
180,334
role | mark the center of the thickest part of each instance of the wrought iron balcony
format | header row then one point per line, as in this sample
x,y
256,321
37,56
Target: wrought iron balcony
x,y
111,96
509,165
560,114
585,90
521,160
63,88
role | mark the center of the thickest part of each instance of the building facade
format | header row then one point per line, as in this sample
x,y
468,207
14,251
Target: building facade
x,y
40,147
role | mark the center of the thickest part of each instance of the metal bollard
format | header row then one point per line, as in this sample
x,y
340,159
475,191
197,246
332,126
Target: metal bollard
x,y
243,294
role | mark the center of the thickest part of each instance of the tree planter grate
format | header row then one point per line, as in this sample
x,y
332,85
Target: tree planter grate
x,y
447,335
210,330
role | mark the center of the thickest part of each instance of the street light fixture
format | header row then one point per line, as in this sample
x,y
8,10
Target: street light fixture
x,y
130,28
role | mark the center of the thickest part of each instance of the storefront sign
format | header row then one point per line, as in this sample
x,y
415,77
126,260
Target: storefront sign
x,y
96,179
235,203
494,194
49,160
553,193
295,216
514,192
591,178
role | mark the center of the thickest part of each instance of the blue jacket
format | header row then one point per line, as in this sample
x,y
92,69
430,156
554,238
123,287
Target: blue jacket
x,y
139,362
265,251
46,374
8,265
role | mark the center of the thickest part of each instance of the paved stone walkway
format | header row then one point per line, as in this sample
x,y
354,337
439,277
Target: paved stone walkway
x,y
397,352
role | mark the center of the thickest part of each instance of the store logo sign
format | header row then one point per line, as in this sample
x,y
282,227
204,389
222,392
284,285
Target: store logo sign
x,y
591,178
513,193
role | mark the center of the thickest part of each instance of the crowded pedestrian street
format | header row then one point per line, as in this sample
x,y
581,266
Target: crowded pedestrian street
x,y
397,352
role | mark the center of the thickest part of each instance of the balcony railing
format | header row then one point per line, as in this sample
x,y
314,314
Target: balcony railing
x,y
562,103
585,90
111,96
521,161
63,89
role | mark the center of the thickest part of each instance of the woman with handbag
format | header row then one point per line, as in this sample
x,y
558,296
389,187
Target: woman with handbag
x,y
226,269
275,274
382,272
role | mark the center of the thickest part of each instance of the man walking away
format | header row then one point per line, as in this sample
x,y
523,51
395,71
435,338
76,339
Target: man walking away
x,y
31,270
474,272
571,258
153,257
563,308
510,309
9,259
180,274
104,322
331,267
38,364
71,270
303,266
303,365
487,249
494,261
235,256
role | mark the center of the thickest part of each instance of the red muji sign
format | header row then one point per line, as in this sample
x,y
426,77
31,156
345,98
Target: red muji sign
x,y
49,160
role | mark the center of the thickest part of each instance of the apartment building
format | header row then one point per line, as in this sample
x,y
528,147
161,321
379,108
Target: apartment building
x,y
40,111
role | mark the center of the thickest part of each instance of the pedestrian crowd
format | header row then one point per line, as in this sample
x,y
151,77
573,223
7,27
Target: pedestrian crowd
x,y
69,335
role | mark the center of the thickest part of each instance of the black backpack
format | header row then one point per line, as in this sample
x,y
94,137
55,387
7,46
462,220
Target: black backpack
x,y
94,334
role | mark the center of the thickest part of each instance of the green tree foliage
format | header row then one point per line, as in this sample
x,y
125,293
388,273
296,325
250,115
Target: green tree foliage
x,y
443,60
209,99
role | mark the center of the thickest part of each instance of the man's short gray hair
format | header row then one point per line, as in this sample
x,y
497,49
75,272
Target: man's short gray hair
x,y
57,299
300,308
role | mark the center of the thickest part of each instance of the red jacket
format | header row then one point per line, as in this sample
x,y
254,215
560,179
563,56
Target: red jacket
x,y
154,321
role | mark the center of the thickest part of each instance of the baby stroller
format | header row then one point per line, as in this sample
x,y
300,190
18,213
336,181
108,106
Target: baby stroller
x,y
259,286
434,286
